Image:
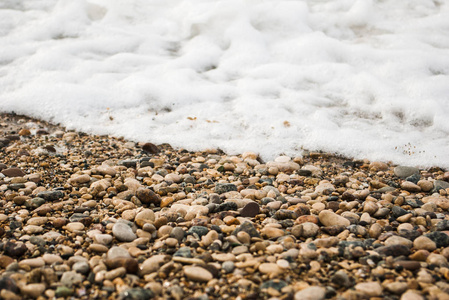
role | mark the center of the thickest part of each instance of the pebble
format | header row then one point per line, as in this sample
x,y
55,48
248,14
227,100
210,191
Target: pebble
x,y
424,243
123,232
270,268
197,274
311,293
33,290
371,289
404,171
329,218
250,210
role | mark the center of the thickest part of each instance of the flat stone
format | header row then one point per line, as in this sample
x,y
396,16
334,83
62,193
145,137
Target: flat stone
x,y
272,232
270,268
117,252
409,264
394,250
99,248
33,229
197,274
329,218
51,195
75,226
33,262
410,187
13,172
398,240
404,171
250,210
311,293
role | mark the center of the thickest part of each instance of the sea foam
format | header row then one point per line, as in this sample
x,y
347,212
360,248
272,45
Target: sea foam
x,y
362,78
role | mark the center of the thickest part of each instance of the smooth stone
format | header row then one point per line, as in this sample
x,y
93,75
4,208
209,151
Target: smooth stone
x,y
410,187
115,252
38,221
409,264
394,250
52,259
123,232
33,262
197,274
378,166
396,287
5,261
153,264
64,291
412,295
309,229
398,240
272,232
424,243
33,290
329,218
33,229
75,226
13,172
311,293
437,259
404,171
102,238
371,289
99,248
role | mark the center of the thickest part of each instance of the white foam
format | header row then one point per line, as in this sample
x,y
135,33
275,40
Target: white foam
x,y
364,78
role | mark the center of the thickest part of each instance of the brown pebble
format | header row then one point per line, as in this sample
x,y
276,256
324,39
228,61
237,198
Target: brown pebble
x,y
250,210
150,148
13,172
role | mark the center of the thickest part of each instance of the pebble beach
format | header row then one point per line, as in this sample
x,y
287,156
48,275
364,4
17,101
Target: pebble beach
x,y
100,217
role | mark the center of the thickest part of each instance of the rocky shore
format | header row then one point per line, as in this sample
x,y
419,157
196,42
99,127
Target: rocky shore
x,y
97,217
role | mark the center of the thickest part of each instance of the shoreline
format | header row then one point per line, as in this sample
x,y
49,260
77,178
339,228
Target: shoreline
x,y
98,217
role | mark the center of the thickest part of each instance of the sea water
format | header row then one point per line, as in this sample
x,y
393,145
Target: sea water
x,y
362,78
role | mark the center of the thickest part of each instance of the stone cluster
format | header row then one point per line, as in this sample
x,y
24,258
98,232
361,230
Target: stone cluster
x,y
96,217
